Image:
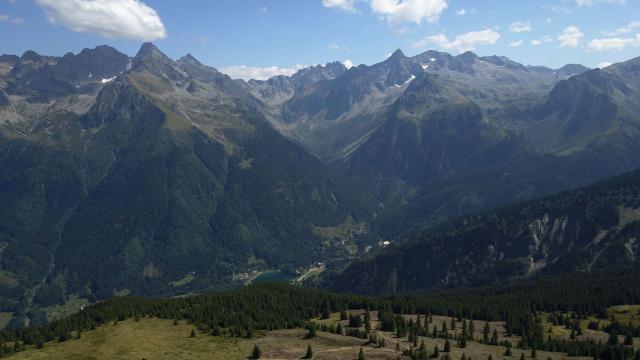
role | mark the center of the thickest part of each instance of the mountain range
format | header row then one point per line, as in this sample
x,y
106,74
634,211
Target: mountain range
x,y
155,176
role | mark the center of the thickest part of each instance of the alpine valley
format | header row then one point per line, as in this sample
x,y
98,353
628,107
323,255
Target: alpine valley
x,y
158,177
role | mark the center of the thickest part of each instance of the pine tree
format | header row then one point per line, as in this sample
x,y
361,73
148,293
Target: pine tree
x,y
485,332
325,313
628,339
373,339
464,357
534,353
494,337
453,323
508,352
256,353
193,333
447,346
312,331
339,329
462,342
309,353
436,352
637,355
398,347
361,354
62,338
522,356
472,329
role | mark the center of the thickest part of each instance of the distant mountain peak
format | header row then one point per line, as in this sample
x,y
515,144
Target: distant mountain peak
x,y
30,55
398,54
190,59
467,56
152,59
149,51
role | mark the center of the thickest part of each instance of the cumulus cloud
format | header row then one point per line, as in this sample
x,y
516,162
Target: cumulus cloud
x,y
594,2
520,27
516,43
624,30
461,12
348,64
570,37
414,11
4,17
348,5
536,42
461,43
613,43
131,19
259,73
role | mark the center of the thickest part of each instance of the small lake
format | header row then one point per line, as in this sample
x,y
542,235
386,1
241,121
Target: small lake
x,y
274,276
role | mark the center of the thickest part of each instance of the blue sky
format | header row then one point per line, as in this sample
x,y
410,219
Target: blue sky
x,y
260,38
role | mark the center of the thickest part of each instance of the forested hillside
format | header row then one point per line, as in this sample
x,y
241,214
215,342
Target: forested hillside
x,y
592,229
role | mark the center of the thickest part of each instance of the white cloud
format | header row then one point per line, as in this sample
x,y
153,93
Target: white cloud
x,y
348,5
558,9
604,64
517,43
623,30
614,43
462,42
536,42
409,10
520,27
130,19
348,64
9,18
570,37
333,47
259,73
465,11
594,2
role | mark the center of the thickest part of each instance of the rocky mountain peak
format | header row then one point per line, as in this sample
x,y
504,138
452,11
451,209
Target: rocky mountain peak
x,y
189,60
397,55
149,53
